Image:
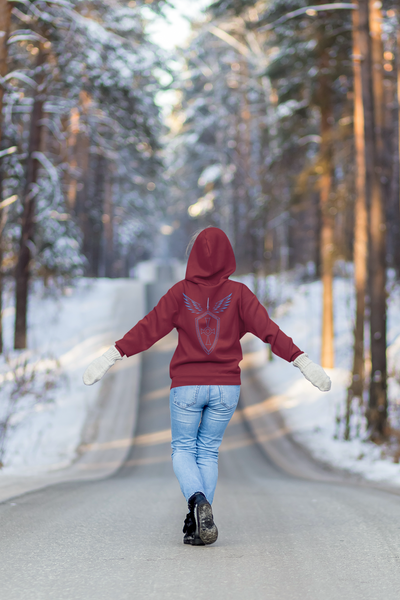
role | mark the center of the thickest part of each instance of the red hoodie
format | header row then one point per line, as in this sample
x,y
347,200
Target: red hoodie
x,y
211,313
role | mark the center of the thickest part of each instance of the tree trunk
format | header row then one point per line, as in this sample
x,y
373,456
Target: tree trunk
x,y
396,174
3,219
5,20
327,219
84,186
360,229
93,224
27,223
72,146
391,170
372,94
108,223
378,386
244,149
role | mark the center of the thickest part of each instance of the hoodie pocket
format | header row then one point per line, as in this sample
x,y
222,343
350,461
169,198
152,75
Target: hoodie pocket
x,y
185,395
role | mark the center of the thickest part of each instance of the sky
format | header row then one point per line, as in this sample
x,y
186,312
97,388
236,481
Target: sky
x,y
172,32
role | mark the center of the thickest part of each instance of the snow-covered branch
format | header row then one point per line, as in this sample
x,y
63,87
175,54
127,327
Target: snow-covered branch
x,y
311,11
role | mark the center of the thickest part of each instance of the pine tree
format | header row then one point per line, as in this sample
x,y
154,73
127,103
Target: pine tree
x,y
372,87
313,55
30,191
360,226
104,167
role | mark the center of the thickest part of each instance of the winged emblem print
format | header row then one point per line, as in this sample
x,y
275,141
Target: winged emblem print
x,y
207,322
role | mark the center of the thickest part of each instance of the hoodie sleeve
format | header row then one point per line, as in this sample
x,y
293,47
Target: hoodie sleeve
x,y
257,321
154,326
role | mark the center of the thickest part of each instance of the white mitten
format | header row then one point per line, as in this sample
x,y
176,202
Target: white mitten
x,y
313,372
100,366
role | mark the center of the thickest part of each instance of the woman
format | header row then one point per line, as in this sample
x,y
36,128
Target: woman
x,y
211,314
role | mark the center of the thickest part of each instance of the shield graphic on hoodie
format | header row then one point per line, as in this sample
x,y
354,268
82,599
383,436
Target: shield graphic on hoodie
x,y
207,328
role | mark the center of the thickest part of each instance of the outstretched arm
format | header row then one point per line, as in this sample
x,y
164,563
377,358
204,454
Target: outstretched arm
x,y
154,326
257,321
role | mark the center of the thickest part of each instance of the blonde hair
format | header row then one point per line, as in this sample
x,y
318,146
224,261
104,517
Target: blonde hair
x,y
194,238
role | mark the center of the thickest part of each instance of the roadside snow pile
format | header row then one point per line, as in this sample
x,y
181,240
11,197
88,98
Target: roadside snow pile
x,y
41,389
315,418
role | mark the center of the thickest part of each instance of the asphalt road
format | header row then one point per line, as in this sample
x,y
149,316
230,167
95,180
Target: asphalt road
x,y
120,538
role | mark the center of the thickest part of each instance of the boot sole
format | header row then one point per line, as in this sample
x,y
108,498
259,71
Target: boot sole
x,y
206,527
193,541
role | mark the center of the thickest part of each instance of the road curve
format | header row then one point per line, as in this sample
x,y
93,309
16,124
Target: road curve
x,y
281,537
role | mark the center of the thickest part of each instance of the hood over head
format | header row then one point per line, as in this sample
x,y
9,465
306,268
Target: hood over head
x,y
211,259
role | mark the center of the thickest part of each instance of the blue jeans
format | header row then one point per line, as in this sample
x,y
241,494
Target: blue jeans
x,y
199,417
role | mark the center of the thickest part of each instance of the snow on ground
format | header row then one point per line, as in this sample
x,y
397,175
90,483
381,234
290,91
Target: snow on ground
x,y
310,414
66,332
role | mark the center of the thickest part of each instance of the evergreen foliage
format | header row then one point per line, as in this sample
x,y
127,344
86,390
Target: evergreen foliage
x,y
237,7
98,68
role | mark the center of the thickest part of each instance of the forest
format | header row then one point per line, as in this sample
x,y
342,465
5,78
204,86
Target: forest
x,y
284,132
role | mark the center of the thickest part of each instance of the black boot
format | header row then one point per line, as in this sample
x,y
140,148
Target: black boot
x,y
189,529
205,527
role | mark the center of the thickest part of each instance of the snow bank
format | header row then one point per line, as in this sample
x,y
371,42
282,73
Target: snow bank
x,y
71,330
310,414
65,334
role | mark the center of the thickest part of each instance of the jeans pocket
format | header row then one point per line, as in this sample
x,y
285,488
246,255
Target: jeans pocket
x,y
229,395
185,395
